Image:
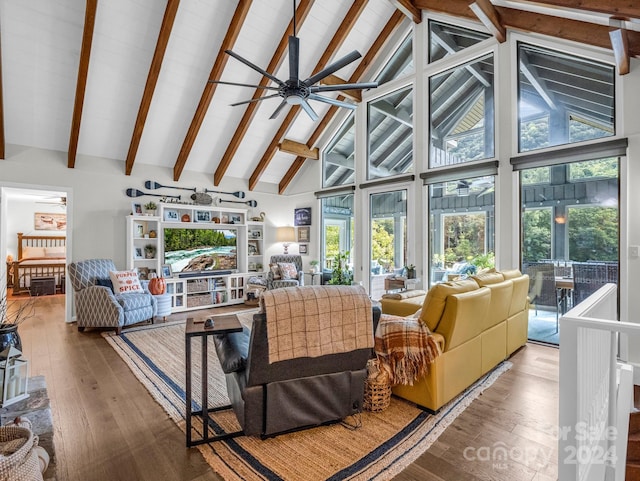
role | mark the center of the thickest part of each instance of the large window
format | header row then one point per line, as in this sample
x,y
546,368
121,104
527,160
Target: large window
x,y
446,39
390,134
337,228
562,98
338,164
462,113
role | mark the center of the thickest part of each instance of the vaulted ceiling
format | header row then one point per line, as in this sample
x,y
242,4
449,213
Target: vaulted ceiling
x,y
128,79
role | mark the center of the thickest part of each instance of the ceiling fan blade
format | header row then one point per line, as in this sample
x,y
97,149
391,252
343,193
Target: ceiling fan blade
x,y
294,59
255,100
254,67
310,112
334,88
334,67
276,112
329,100
242,85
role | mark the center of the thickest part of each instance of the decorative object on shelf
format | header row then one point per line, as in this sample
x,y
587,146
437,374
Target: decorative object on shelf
x,y
302,216
139,193
149,251
303,249
410,271
255,234
260,218
157,285
136,209
139,230
215,220
304,234
238,194
235,219
202,216
151,207
143,273
137,253
153,234
286,235
171,215
250,203
200,198
165,271
13,376
185,218
253,248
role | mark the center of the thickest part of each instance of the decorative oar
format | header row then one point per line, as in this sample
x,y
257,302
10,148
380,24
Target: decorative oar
x,y
250,203
149,184
138,193
238,194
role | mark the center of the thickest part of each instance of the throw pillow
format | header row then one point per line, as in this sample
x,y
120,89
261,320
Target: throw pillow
x,y
57,252
125,281
275,271
29,252
105,282
288,270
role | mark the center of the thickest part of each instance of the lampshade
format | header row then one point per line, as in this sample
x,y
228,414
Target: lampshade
x,y
285,234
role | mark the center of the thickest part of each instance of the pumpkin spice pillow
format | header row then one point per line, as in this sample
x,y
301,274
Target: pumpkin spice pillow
x,y
125,281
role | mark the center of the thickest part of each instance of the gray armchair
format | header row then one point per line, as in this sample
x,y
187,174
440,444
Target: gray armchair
x,y
274,283
96,304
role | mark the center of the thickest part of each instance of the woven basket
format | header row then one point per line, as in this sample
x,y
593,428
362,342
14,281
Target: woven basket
x,y
23,464
377,388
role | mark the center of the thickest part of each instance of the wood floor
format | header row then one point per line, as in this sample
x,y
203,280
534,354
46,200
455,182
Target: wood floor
x,y
108,428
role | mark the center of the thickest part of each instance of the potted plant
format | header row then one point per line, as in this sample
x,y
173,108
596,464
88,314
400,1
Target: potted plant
x,y
314,266
12,314
151,207
341,274
411,271
149,251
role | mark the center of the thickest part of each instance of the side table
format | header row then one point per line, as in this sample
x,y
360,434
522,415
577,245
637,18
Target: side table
x,y
163,306
222,324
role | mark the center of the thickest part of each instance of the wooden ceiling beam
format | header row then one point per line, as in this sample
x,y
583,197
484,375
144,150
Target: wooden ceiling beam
x,y
336,42
489,17
304,7
299,149
2,142
573,30
152,78
358,75
219,64
620,45
616,8
409,9
355,95
81,84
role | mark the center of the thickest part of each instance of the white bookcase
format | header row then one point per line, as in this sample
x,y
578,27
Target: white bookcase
x,y
207,289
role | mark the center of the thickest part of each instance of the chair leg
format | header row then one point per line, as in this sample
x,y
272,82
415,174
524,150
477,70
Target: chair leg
x,y
80,328
118,330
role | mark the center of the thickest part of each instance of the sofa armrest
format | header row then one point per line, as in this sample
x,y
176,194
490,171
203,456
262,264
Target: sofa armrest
x,y
233,350
301,278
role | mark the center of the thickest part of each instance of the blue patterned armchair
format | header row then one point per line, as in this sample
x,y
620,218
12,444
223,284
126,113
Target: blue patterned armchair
x,y
274,283
97,305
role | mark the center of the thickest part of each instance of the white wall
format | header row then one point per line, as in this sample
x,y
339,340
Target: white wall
x,y
99,203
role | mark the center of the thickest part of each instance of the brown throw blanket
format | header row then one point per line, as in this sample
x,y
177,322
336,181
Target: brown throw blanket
x,y
313,321
405,348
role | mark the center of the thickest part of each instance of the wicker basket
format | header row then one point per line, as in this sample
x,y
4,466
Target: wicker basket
x,y
377,388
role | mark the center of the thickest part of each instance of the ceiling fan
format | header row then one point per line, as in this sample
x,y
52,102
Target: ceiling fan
x,y
295,91
61,201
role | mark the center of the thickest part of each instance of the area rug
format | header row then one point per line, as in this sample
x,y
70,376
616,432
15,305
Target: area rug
x,y
383,445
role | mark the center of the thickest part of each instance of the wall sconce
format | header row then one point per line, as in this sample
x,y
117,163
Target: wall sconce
x,y
286,235
560,219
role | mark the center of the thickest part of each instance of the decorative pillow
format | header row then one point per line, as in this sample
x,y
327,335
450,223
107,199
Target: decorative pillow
x,y
105,282
56,251
125,281
275,271
32,252
288,270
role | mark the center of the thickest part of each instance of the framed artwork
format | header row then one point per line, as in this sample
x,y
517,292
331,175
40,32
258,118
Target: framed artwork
x,y
302,216
203,216
303,249
46,221
166,270
256,234
254,248
235,219
137,252
139,230
304,234
143,273
171,215
224,219
136,209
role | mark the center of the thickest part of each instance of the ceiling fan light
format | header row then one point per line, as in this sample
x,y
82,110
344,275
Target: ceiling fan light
x,y
294,100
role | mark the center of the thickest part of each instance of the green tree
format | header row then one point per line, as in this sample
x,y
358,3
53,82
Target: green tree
x,y
536,239
382,240
593,233
534,134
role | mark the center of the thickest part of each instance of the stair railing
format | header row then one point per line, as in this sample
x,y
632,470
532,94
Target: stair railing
x,y
596,390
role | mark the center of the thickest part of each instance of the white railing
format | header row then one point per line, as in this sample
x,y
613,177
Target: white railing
x,y
595,390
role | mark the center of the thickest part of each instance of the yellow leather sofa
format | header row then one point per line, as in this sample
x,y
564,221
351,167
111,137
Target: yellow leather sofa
x,y
478,322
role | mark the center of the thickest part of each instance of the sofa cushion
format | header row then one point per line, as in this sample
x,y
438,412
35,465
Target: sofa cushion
x,y
488,278
435,301
511,274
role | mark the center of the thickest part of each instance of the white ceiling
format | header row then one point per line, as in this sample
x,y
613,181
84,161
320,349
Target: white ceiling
x,y
41,42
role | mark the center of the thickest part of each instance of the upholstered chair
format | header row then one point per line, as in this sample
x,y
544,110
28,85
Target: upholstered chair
x,y
95,302
276,278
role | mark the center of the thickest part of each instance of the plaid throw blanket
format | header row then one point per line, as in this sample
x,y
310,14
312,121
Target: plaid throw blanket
x,y
313,321
405,348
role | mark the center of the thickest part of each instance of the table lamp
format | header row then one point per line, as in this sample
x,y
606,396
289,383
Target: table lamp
x,y
286,235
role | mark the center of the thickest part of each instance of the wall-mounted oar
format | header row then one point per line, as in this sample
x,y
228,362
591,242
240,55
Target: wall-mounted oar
x,y
250,203
149,184
238,194
138,193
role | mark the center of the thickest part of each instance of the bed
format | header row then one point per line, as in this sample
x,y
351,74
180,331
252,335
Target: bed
x,y
39,256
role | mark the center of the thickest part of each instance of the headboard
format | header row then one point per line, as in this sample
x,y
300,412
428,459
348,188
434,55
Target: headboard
x,y
39,241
